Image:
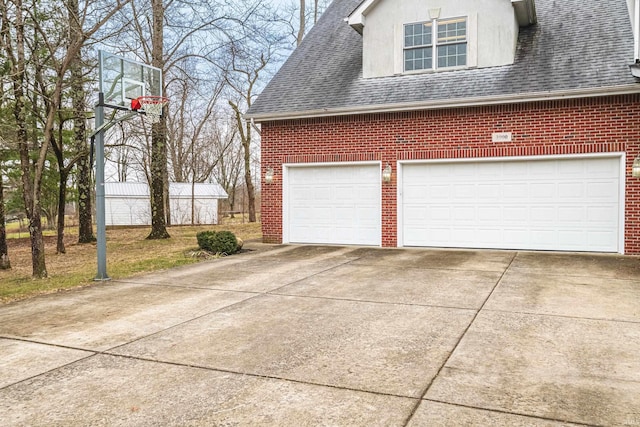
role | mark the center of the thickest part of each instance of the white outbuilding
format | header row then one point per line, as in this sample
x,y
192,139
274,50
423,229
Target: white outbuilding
x,y
128,203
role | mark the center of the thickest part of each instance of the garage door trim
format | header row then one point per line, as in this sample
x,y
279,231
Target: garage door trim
x,y
286,197
621,191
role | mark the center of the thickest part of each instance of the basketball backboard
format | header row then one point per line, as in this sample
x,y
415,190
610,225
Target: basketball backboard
x,y
122,80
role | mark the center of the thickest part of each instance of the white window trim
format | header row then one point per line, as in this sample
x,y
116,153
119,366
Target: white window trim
x,y
435,23
472,48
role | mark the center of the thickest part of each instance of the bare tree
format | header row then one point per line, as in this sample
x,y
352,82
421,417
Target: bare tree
x,y
65,167
229,152
181,33
158,174
13,34
249,62
299,19
243,80
79,107
190,124
53,52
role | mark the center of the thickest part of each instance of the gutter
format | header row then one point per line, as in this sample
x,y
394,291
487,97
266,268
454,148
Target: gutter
x,y
451,103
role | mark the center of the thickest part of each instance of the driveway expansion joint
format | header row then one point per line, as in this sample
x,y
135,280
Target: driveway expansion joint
x,y
395,303
477,312
561,316
254,375
500,411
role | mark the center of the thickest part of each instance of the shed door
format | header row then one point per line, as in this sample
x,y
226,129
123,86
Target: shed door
x,y
551,204
333,205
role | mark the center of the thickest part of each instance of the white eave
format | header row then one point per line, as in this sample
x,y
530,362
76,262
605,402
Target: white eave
x,y
357,17
525,11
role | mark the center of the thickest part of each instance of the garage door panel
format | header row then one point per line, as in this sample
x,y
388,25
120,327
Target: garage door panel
x,y
367,194
543,214
571,190
600,214
551,204
488,191
603,190
464,214
513,213
543,190
601,168
438,213
489,213
439,191
602,239
516,191
464,191
572,214
334,204
541,169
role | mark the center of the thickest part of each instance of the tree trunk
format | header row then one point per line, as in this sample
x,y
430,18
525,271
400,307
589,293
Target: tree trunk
x,y
85,223
37,247
301,28
158,136
79,105
315,11
248,180
165,189
30,190
62,197
5,264
158,160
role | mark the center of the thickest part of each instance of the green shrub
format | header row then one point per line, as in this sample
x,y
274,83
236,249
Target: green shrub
x,y
226,242
205,240
218,242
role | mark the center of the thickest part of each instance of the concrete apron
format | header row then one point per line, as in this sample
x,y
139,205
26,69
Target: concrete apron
x,y
313,335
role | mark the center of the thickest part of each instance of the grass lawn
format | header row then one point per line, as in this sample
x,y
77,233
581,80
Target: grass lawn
x,y
128,254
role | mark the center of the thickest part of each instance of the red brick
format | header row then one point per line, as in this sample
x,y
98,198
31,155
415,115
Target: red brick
x,y
593,125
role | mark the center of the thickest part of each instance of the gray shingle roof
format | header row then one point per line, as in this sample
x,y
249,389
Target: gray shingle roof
x,y
578,47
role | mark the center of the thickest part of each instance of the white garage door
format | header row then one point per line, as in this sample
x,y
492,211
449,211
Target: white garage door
x,y
551,204
333,204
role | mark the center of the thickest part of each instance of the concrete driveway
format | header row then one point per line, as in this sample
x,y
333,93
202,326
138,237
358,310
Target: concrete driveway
x,y
340,336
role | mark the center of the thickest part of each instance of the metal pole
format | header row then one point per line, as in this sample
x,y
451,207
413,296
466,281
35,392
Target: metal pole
x,y
100,209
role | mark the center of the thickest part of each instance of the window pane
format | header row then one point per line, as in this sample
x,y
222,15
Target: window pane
x,y
418,59
452,30
452,55
417,34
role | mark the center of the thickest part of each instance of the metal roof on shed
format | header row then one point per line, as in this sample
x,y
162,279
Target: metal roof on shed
x,y
176,190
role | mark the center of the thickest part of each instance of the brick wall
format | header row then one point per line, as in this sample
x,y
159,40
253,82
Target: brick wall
x,y
592,125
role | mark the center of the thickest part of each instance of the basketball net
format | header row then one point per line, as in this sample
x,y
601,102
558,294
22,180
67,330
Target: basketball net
x,y
153,106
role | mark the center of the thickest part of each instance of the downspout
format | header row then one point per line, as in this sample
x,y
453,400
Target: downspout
x,y
257,129
635,67
636,31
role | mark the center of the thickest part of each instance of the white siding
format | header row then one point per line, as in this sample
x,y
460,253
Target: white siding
x,y
128,203
492,32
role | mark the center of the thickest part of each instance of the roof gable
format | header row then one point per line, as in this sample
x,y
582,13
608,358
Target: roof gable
x,y
556,58
525,11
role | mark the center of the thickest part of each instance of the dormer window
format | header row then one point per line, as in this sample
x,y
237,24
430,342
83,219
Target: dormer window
x,y
447,36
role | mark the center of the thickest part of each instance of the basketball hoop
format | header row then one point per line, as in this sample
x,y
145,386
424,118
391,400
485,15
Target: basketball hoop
x,y
152,106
